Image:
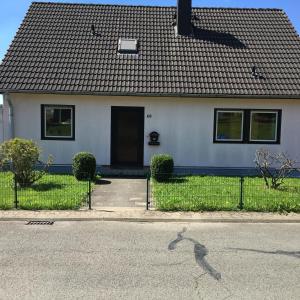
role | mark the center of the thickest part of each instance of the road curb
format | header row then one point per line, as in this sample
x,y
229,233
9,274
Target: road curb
x,y
152,220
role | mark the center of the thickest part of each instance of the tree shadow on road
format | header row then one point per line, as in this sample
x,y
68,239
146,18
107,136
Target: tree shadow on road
x,y
295,254
200,251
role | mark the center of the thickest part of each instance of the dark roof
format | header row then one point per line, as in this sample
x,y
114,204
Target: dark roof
x,y
55,51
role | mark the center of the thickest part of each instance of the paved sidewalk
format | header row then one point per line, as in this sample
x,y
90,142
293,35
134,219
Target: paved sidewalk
x,y
120,192
141,215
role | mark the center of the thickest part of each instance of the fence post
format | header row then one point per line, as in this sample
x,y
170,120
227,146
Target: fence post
x,y
147,196
90,194
241,204
16,192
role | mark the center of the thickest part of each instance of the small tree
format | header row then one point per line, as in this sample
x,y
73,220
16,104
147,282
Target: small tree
x,y
22,156
274,167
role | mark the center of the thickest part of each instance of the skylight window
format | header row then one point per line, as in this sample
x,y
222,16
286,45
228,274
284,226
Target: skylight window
x,y
128,46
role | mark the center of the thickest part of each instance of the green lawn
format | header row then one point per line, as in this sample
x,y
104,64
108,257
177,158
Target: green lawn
x,y
50,192
208,193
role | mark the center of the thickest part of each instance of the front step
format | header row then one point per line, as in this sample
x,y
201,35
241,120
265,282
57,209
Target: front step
x,y
123,172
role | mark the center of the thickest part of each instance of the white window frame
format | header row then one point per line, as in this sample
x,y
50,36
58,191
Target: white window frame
x,y
45,121
133,49
276,125
217,121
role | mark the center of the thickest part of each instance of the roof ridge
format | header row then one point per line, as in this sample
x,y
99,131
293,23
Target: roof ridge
x,y
156,6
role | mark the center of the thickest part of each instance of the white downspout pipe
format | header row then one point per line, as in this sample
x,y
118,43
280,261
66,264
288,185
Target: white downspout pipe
x,y
8,118
2,124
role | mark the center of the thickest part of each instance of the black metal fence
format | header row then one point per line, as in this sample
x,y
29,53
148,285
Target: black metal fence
x,y
210,193
50,192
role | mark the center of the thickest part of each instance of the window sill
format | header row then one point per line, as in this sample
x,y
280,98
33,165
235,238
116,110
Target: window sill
x,y
246,143
57,139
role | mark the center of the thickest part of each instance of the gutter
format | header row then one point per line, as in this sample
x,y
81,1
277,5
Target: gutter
x,y
86,93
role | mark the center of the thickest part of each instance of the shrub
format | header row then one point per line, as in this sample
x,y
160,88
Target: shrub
x,y
274,167
22,156
161,167
84,166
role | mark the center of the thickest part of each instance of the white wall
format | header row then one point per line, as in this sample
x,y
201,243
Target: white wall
x,y
185,126
1,123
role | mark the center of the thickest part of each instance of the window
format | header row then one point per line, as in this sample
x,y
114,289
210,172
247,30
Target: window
x,y
229,126
247,126
129,46
58,122
263,126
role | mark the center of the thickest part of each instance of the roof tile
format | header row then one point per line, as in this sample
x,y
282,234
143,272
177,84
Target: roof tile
x,y
55,51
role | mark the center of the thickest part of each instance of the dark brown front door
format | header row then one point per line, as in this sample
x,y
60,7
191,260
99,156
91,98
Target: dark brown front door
x,y
127,136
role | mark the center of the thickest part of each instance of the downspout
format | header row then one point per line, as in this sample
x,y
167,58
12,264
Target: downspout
x,y
9,133
2,121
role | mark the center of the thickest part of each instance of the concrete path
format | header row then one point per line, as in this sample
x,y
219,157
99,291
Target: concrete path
x,y
120,192
98,260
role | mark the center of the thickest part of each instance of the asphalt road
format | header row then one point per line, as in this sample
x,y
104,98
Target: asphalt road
x,y
112,260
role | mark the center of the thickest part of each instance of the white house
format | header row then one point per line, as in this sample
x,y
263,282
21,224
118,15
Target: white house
x,y
215,84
